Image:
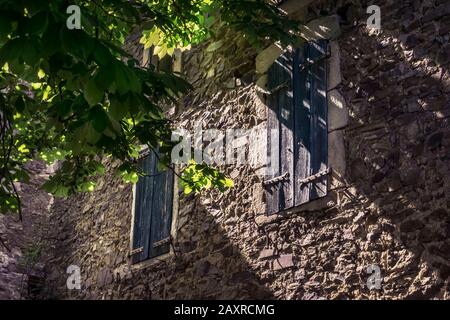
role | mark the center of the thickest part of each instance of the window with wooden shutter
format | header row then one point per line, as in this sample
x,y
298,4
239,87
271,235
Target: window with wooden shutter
x,y
297,107
153,205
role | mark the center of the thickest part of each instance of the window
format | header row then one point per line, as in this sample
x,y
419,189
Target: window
x,y
297,108
153,206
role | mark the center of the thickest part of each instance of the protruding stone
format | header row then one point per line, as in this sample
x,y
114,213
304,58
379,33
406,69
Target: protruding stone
x,y
337,111
267,253
323,28
336,158
293,7
266,57
261,83
283,262
334,66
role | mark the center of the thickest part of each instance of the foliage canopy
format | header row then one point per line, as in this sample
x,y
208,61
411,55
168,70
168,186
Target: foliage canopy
x,y
77,96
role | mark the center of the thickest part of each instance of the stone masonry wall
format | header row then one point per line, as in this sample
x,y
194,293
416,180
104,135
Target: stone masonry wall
x,y
24,242
389,207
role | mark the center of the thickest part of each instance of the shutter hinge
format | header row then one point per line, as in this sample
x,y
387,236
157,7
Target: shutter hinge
x,y
145,152
137,250
314,176
161,242
276,179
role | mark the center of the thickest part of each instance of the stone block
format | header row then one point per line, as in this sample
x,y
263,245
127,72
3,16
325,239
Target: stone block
x,y
322,28
283,262
336,158
261,83
266,57
104,277
334,66
337,111
267,253
293,7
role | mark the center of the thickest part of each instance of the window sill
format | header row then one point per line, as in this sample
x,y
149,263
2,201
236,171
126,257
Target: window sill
x,y
324,203
152,262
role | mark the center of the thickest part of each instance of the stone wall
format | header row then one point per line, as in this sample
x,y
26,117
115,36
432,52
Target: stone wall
x,y
389,206
24,242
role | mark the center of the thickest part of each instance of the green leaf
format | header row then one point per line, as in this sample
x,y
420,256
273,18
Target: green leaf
x,y
102,55
20,104
36,24
99,119
92,93
117,109
125,79
187,189
77,42
228,183
104,77
25,48
5,25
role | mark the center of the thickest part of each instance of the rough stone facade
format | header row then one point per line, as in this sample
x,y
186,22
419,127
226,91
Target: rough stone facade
x,y
389,100
24,242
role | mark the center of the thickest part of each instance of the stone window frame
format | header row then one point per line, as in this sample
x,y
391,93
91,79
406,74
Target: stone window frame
x,y
173,227
326,28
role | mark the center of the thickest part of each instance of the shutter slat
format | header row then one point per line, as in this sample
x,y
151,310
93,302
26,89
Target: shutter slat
x,y
302,126
272,192
319,138
286,118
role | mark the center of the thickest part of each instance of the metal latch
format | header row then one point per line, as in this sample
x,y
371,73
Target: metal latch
x,y
161,242
137,250
314,176
283,177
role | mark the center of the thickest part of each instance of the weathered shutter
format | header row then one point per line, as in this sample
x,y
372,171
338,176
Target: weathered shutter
x,y
279,186
161,213
298,109
153,210
142,209
311,130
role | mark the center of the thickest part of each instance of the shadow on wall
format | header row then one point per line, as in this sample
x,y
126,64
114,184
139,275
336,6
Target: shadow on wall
x,y
207,264
399,153
94,234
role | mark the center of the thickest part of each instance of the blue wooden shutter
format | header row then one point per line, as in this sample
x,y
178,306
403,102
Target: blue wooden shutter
x,y
153,211
311,129
162,206
279,189
299,110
